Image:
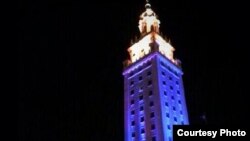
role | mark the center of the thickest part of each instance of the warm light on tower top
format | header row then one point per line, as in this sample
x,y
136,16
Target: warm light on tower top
x,y
148,21
150,39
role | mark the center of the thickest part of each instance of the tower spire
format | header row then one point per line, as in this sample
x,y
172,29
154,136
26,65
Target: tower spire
x,y
147,5
148,20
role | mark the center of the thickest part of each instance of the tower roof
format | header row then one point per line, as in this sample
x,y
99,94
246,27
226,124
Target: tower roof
x,y
148,20
150,40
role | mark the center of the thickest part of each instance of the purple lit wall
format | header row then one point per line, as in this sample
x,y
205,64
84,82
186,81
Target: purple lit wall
x,y
154,99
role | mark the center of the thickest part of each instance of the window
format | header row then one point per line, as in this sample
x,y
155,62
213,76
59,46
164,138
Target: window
x,y
132,92
151,103
165,93
140,68
133,123
131,83
169,139
132,112
181,112
149,73
164,82
171,87
132,102
166,104
149,82
148,63
141,108
141,88
153,138
163,73
178,92
175,119
162,63
169,68
177,82
133,134
179,101
132,73
169,127
172,97
174,108
142,119
167,115
140,78
182,122
175,73
141,97
150,93
152,127
170,78
152,114
142,130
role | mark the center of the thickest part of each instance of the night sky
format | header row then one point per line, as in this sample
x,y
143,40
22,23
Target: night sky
x,y
71,54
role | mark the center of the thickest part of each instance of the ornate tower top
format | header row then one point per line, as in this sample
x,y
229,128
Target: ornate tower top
x,y
148,20
150,40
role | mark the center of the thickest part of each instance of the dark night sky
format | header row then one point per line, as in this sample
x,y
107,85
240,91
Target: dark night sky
x,y
71,54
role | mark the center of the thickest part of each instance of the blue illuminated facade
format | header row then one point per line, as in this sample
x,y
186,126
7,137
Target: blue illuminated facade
x,y
154,98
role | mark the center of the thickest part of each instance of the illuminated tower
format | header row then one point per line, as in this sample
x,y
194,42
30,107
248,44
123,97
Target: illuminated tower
x,y
154,97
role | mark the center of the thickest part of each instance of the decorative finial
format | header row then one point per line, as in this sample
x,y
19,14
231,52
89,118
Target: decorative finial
x,y
147,4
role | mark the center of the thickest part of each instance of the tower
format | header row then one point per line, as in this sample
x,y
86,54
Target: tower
x,y
154,97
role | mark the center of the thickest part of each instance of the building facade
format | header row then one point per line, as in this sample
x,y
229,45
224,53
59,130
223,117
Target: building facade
x,y
154,97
